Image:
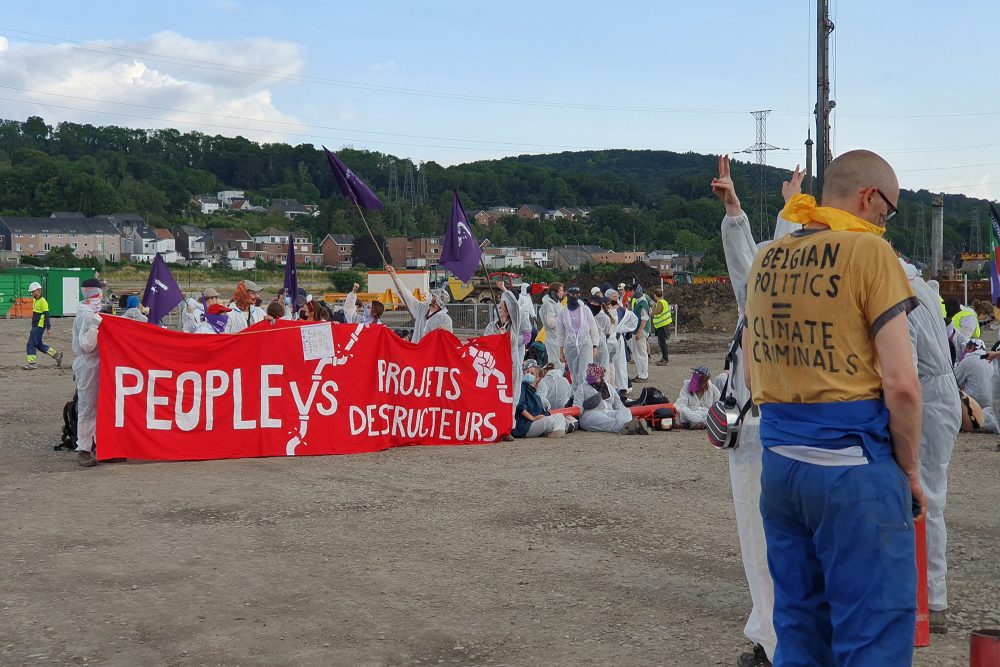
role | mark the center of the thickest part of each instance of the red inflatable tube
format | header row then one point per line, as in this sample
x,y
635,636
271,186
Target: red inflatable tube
x,y
636,410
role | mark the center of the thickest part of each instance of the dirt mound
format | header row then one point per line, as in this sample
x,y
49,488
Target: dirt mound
x,y
637,273
709,307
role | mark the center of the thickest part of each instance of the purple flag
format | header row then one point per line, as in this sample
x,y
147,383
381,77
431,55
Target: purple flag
x,y
291,275
350,185
162,293
461,251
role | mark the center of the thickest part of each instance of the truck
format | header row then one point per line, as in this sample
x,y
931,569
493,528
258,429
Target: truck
x,y
482,289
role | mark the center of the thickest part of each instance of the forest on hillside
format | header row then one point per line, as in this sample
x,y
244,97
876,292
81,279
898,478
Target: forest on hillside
x,y
661,199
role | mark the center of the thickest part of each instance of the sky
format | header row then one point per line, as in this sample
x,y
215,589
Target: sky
x,y
456,81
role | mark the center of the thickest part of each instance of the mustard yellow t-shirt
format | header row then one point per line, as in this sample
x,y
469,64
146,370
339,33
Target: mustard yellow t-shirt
x,y
815,301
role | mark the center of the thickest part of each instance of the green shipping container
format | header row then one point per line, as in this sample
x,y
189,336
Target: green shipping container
x,y
61,287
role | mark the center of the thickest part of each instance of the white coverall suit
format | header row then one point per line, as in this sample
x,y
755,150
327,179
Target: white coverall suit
x,y
516,343
549,314
554,390
578,342
745,461
608,415
693,409
87,371
604,328
942,418
619,360
423,325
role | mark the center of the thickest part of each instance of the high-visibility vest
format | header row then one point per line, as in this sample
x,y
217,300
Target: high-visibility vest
x,y
664,317
944,311
956,321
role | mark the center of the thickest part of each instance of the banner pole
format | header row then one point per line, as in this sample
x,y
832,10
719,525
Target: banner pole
x,y
496,304
377,246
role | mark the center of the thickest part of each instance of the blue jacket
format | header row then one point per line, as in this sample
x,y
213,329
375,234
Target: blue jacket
x,y
530,402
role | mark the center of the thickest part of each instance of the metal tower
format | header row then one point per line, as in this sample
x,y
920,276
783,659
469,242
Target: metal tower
x,y
421,183
975,235
393,184
920,244
824,26
762,224
409,187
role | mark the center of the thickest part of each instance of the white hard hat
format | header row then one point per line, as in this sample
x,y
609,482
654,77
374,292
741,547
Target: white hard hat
x,y
33,286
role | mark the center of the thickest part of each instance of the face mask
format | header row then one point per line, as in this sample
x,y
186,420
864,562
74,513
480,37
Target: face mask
x,y
572,302
594,308
530,378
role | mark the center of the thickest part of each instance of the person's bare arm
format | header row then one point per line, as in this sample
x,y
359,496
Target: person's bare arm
x,y
901,388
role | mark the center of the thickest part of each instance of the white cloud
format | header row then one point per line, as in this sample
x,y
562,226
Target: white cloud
x,y
383,67
166,70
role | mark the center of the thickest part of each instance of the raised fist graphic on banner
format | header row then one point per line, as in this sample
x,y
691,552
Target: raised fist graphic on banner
x,y
485,366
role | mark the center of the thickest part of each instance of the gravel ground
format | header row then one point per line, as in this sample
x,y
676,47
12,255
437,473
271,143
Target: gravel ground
x,y
590,550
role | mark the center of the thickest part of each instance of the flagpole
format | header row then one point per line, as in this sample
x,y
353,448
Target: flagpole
x,y
377,246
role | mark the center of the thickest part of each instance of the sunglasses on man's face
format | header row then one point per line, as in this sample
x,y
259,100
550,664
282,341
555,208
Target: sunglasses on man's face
x,y
892,208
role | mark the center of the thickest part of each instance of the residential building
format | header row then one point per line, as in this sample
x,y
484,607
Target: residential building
x,y
503,262
144,241
288,207
220,240
610,257
574,212
414,251
190,241
234,260
208,203
338,250
539,257
554,214
89,237
226,197
500,211
240,205
126,222
531,211
573,256
271,245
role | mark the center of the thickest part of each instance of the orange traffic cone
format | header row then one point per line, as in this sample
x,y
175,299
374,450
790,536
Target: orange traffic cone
x,y
923,636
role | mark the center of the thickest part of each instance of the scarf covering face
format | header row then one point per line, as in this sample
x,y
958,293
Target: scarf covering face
x,y
802,210
694,383
217,315
242,296
595,373
92,298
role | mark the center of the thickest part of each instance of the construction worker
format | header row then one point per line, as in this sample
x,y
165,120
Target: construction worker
x,y
662,319
40,323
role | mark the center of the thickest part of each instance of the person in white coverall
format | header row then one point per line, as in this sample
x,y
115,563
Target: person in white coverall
x,y
601,408
578,337
507,322
740,248
527,309
549,315
697,395
426,316
619,360
942,418
87,369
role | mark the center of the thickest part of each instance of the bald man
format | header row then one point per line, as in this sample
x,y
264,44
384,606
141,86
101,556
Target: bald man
x,y
830,367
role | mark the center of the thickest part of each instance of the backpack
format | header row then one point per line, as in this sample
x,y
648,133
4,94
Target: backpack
x,y
648,396
725,417
69,426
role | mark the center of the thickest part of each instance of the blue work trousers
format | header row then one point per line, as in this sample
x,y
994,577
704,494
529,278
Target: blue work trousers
x,y
841,551
35,341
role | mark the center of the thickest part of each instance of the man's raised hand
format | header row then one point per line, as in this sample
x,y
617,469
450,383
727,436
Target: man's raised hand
x,y
793,187
725,190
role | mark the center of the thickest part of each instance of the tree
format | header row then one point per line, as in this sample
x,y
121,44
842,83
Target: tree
x,y
343,281
366,252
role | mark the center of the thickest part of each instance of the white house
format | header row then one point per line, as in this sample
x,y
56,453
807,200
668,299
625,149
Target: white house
x,y
237,263
226,197
143,241
208,203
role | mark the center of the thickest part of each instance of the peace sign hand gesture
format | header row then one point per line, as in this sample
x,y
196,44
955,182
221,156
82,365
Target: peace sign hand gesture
x,y
793,187
725,190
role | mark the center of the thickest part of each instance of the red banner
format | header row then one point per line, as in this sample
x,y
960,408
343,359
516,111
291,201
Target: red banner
x,y
291,391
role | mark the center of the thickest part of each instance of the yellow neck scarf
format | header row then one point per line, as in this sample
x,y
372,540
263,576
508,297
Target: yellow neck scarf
x,y
802,210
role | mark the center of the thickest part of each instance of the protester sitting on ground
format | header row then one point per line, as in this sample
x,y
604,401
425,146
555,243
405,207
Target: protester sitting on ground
x,y
427,316
553,388
133,309
601,408
243,308
697,395
578,337
40,323
532,418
